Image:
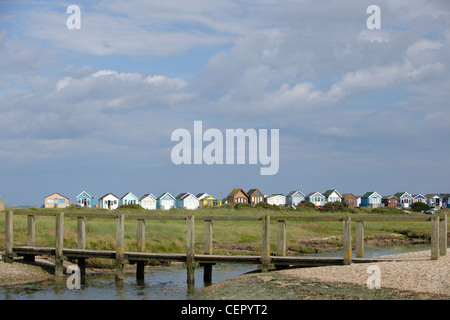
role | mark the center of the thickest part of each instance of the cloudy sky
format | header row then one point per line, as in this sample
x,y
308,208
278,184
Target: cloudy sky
x,y
94,108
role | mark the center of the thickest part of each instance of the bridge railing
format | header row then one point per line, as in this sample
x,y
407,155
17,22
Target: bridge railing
x,y
438,236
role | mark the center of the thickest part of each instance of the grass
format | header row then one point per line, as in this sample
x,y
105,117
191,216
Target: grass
x,y
229,236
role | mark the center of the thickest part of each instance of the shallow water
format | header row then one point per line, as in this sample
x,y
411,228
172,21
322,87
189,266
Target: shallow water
x,y
165,283
373,252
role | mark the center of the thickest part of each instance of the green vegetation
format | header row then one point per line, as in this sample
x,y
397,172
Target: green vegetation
x,y
336,206
387,210
420,206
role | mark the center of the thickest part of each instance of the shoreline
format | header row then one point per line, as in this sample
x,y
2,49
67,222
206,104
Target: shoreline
x,y
419,278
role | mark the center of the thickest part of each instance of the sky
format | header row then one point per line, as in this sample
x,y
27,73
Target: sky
x,y
93,108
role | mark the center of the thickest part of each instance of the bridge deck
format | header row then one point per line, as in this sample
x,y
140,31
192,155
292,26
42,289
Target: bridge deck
x,y
305,261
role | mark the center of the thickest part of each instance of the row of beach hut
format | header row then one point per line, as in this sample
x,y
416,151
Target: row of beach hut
x,y
190,201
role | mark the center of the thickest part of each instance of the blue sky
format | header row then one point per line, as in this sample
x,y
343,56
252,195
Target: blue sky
x,y
93,109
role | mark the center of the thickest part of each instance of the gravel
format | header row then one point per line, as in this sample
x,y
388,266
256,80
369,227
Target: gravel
x,y
419,274
19,272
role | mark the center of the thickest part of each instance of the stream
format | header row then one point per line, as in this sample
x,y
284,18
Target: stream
x,y
160,283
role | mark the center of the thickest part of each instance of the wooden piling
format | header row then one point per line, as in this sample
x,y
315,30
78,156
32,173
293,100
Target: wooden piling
x,y
347,241
140,265
265,244
208,249
59,268
8,237
281,250
434,237
31,231
443,235
359,246
120,247
190,253
31,237
81,237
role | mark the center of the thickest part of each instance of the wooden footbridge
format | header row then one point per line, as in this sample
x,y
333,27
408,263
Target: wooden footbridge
x,y
267,261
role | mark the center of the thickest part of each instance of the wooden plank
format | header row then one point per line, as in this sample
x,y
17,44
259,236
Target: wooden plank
x,y
229,218
76,253
23,250
35,213
146,256
308,218
393,218
155,216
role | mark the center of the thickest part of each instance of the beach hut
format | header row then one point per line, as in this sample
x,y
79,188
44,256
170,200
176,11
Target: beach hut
x,y
128,198
419,198
109,201
255,196
276,199
210,201
405,200
148,201
351,199
371,199
294,198
390,201
85,200
187,201
332,196
56,200
165,201
316,198
434,200
238,196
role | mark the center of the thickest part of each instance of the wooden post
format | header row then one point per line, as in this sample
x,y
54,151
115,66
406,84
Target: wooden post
x,y
281,238
81,235
59,268
208,249
347,241
31,231
120,247
140,265
190,253
265,244
360,239
208,237
8,237
31,237
443,235
434,237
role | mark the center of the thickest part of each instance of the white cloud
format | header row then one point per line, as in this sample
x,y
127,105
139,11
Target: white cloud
x,y
63,83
